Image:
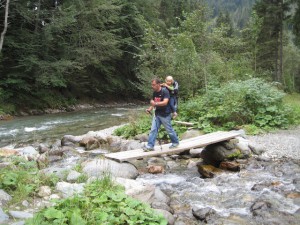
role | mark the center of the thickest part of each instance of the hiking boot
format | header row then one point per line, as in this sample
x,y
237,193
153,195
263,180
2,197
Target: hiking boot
x,y
146,148
173,145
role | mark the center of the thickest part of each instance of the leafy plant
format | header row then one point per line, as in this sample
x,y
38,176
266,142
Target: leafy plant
x,y
102,203
22,179
237,103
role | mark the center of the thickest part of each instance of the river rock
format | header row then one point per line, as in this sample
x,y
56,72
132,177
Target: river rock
x,y
89,143
216,153
196,152
161,205
131,145
68,190
20,214
207,171
138,190
19,223
42,148
231,166
141,137
3,216
170,218
70,140
100,167
260,208
191,134
155,169
161,196
58,171
73,176
30,152
43,160
8,152
4,197
205,214
44,191
256,148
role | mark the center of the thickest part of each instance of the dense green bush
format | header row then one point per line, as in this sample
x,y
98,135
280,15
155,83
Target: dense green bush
x,y
102,203
238,103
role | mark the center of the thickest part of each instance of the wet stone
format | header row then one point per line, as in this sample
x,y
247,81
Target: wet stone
x,y
205,214
20,214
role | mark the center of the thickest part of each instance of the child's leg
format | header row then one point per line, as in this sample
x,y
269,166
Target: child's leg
x,y
172,104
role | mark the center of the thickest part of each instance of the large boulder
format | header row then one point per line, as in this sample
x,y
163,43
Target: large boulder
x,y
4,197
216,153
138,190
68,190
89,143
100,167
70,140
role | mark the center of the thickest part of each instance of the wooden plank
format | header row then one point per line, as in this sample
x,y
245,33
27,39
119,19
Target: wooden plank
x,y
186,144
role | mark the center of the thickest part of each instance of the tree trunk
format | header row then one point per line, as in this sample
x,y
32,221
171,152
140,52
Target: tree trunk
x,y
280,72
5,25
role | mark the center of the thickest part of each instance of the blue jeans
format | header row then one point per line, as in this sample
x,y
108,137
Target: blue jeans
x,y
166,122
173,103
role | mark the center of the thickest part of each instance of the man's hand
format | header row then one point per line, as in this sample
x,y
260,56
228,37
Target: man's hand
x,y
149,111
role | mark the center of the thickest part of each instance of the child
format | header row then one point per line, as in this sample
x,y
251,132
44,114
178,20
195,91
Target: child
x,y
172,87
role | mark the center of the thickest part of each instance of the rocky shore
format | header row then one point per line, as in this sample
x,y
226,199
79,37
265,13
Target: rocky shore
x,y
247,180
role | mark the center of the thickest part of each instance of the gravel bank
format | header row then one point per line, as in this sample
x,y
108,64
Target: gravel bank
x,y
282,143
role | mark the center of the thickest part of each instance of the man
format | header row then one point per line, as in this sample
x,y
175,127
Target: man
x,y
160,101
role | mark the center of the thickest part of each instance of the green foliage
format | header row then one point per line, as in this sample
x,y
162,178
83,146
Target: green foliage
x,y
22,179
138,125
141,124
237,103
252,129
293,102
102,203
235,155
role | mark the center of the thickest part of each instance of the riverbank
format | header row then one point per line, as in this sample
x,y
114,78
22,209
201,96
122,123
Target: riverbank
x,y
265,190
71,108
279,143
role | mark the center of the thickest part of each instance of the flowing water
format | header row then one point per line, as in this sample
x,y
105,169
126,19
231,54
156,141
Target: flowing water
x,y
37,129
232,195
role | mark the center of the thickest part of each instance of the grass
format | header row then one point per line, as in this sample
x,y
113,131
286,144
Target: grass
x,y
293,101
22,179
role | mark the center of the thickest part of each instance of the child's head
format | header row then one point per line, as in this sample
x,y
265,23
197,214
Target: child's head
x,y
169,80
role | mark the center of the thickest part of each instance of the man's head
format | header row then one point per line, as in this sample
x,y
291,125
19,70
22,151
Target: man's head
x,y
169,80
155,83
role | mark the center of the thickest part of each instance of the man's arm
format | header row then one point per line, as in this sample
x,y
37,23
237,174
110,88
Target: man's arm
x,y
162,103
171,88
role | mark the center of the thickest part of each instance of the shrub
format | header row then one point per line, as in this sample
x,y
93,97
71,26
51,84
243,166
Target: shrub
x,y
237,103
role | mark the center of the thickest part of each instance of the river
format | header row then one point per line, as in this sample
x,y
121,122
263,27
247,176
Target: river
x,y
46,128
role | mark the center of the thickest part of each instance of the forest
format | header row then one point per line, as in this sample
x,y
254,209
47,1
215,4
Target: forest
x,y
60,52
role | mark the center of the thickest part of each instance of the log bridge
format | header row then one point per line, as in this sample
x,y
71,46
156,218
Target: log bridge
x,y
184,145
